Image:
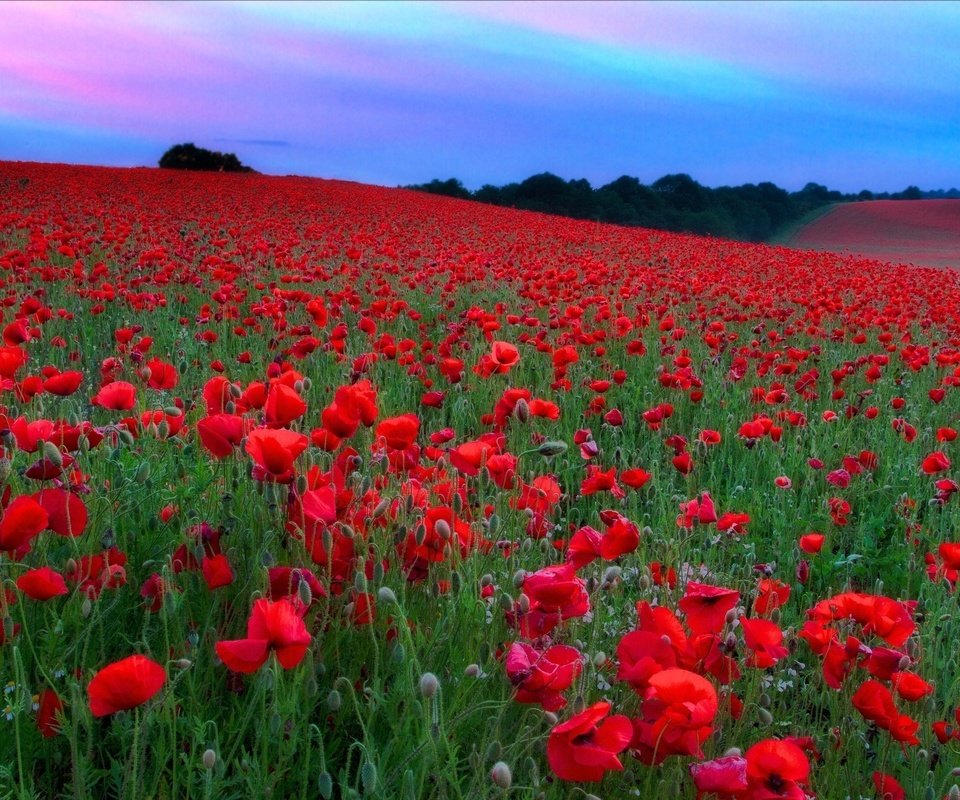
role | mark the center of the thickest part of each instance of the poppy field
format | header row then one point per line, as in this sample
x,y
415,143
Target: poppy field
x,y
317,489
925,232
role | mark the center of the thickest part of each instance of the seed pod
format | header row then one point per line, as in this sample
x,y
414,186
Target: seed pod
x,y
501,775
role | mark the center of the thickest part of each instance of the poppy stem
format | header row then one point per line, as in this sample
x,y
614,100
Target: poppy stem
x,y
134,764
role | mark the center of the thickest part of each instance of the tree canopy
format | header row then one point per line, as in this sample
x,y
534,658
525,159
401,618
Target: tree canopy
x,y
189,156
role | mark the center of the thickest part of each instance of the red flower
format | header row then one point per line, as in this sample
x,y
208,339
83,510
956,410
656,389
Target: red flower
x,y
116,396
541,677
706,606
766,641
678,713
936,462
398,433
50,707
23,519
283,406
273,626
162,375
585,747
777,769
125,684
42,583
812,542
888,788
274,451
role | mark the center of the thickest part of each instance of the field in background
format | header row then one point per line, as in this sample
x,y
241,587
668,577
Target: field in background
x,y
316,489
921,232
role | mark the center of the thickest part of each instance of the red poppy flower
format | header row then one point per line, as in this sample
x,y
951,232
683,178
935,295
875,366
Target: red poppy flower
x,y
116,396
23,519
541,677
274,452
272,627
125,684
585,747
677,716
706,606
163,376
42,583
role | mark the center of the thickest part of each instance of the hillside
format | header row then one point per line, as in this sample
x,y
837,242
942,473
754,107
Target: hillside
x,y
921,232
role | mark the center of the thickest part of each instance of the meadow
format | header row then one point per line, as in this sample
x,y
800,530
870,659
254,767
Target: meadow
x,y
317,489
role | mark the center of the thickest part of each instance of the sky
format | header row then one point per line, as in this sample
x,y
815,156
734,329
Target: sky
x,y
852,95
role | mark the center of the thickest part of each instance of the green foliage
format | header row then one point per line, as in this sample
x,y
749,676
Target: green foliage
x,y
189,156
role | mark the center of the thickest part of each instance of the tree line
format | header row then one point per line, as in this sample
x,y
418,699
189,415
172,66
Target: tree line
x,y
752,212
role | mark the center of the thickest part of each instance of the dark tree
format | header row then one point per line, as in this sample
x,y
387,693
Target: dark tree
x,y
189,156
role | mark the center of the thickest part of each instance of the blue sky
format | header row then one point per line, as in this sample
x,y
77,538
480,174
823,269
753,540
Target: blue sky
x,y
852,95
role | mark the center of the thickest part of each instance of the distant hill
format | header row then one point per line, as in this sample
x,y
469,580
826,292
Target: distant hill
x,y
921,232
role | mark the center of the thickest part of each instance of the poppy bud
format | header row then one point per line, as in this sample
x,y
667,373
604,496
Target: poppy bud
x,y
325,785
368,777
305,593
549,449
524,604
486,580
506,602
501,775
183,663
765,716
126,437
493,524
472,671
429,685
381,508
334,701
85,608
209,759
599,659
52,454
442,528
386,596
550,718
521,411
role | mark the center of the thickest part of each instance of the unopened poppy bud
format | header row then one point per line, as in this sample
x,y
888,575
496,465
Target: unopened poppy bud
x,y
493,524
429,684
302,484
730,617
327,540
506,601
126,437
442,528
765,700
550,718
8,628
922,755
472,671
86,607
305,593
501,775
386,596
172,411
599,658
183,663
518,578
334,701
524,604
52,454
904,663
732,752
325,785
360,581
550,449
521,411
235,391
486,580
420,535
368,777
953,793
765,716
209,759
381,508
